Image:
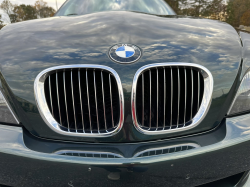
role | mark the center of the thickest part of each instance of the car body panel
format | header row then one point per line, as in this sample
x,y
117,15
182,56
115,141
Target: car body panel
x,y
30,47
176,169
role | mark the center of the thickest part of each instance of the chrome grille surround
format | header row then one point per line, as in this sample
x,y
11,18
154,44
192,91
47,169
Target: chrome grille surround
x,y
166,150
48,117
204,106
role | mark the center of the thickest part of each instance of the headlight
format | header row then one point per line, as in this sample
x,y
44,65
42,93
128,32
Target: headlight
x,y
241,101
6,114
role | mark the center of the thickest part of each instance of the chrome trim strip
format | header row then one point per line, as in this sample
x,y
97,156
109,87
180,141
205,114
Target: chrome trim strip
x,y
58,98
171,120
198,90
96,105
87,86
65,98
206,101
162,148
103,102
185,108
80,93
157,120
164,122
50,97
88,152
150,83
142,99
192,77
111,101
179,87
73,99
46,114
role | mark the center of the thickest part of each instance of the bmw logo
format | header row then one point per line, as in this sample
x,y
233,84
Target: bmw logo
x,y
125,53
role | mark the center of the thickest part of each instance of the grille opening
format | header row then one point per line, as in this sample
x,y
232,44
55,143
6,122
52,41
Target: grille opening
x,y
166,150
168,97
83,100
89,154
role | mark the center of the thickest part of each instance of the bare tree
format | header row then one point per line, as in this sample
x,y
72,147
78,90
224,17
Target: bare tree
x,y
1,22
7,7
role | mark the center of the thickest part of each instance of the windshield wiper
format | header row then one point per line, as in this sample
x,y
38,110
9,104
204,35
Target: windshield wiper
x,y
71,14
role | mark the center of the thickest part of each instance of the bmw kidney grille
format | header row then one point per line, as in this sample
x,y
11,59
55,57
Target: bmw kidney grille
x,y
170,97
85,100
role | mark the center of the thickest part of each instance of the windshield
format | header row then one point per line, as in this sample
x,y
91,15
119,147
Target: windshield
x,y
81,7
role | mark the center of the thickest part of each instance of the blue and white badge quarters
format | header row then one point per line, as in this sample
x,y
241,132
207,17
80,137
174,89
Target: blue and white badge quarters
x,y
125,53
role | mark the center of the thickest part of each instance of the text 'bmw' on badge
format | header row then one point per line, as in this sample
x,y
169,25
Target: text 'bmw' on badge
x,y
125,53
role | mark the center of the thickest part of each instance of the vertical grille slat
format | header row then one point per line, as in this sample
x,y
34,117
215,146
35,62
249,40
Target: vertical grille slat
x,y
168,97
58,99
192,88
185,104
104,106
157,118
164,122
142,99
65,98
198,102
150,103
96,104
50,97
171,114
178,98
80,93
110,86
87,86
72,91
85,101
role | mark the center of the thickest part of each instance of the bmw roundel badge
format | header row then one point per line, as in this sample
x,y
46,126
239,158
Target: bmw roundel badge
x,y
125,53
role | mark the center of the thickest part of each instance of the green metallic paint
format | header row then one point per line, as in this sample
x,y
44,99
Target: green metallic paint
x,y
29,47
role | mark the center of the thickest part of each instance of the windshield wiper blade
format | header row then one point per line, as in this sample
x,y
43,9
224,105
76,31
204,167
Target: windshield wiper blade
x,y
71,14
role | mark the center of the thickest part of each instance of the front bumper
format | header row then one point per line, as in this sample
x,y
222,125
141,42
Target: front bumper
x,y
22,166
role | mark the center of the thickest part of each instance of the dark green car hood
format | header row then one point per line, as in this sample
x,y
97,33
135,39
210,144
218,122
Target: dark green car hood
x,y
28,48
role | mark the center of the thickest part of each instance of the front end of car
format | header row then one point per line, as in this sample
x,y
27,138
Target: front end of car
x,y
123,98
